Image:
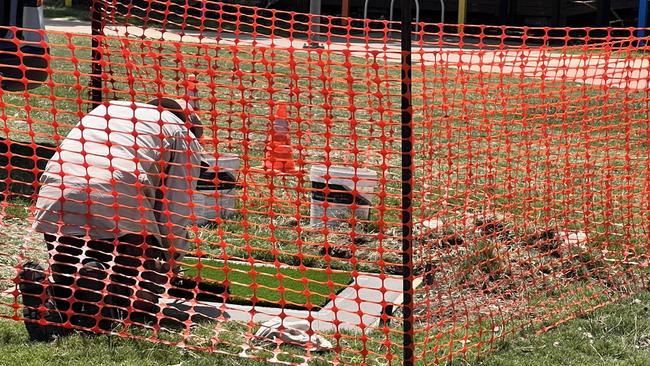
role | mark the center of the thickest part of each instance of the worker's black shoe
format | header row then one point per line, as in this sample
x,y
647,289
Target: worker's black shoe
x,y
32,289
37,306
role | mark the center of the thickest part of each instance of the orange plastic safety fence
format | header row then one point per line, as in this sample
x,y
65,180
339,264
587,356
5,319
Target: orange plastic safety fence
x,y
272,230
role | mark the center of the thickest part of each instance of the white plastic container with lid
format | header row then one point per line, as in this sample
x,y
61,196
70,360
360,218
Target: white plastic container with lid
x,y
346,185
216,191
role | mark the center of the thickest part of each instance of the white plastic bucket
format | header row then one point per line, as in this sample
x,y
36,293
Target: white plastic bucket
x,y
343,191
212,201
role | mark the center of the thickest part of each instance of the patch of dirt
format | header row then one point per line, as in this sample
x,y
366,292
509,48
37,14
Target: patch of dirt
x,y
477,266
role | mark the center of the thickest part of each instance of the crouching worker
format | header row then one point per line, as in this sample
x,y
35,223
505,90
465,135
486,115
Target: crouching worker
x,y
113,207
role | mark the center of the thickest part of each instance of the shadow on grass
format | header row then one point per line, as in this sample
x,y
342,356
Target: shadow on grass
x,y
60,12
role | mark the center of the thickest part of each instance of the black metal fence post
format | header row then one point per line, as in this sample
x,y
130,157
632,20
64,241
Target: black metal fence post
x,y
313,39
407,185
603,13
97,9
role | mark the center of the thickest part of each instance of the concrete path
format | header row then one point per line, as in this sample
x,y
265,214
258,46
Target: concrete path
x,y
593,68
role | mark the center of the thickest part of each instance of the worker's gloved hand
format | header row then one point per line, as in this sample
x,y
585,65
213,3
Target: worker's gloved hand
x,y
177,269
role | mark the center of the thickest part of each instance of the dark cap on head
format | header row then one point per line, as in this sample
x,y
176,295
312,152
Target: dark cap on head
x,y
183,110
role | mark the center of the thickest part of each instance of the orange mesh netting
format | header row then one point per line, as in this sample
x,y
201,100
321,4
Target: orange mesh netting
x,y
277,234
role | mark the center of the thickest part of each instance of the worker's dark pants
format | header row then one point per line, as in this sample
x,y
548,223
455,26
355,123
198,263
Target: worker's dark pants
x,y
105,282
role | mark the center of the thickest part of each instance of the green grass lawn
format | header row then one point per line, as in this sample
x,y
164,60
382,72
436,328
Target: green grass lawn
x,y
270,284
618,334
102,350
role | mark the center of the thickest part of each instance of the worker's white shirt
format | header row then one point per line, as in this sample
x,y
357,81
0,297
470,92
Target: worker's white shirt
x,y
102,181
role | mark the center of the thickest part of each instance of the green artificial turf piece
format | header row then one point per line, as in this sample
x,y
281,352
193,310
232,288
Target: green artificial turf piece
x,y
271,284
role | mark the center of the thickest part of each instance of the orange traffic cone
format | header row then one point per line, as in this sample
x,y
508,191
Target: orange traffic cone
x,y
192,91
278,156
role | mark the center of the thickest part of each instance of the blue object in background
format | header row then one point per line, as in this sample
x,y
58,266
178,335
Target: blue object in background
x,y
643,17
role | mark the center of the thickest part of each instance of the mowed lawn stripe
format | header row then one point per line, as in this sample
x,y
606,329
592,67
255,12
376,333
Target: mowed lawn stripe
x,y
268,283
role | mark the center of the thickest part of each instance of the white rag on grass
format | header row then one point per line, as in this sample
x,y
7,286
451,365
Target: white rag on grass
x,y
294,333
